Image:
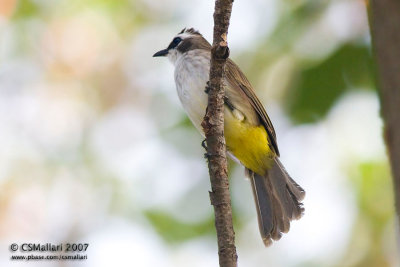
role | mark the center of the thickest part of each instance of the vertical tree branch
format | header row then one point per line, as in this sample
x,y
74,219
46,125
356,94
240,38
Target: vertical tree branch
x,y
385,32
213,125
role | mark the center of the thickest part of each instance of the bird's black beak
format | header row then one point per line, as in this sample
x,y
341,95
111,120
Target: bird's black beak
x,y
161,53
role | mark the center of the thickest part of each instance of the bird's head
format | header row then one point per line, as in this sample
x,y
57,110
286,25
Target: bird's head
x,y
186,40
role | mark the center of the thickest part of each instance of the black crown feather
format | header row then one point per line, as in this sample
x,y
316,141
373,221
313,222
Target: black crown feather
x,y
190,30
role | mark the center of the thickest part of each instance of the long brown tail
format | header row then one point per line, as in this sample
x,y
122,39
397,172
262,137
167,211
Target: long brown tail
x,y
277,198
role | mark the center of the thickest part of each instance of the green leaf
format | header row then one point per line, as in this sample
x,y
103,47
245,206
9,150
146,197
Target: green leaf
x,y
174,231
321,85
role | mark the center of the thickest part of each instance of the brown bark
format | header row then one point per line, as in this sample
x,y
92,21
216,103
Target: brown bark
x,y
385,32
213,125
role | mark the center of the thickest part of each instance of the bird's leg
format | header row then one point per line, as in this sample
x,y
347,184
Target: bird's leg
x,y
204,145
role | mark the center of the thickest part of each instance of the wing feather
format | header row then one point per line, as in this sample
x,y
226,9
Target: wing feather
x,y
238,81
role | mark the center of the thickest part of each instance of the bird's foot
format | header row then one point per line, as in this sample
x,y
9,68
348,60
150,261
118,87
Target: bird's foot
x,y
208,87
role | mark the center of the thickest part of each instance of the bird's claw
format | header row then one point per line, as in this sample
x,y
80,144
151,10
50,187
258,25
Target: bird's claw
x,y
208,87
207,155
203,144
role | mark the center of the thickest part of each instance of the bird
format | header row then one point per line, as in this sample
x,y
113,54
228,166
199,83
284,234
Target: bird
x,y
249,134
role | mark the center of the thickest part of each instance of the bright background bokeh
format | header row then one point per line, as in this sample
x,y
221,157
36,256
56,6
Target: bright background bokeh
x,y
95,147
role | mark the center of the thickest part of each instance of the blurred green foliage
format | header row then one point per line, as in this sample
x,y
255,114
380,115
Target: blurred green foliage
x,y
295,20
322,84
175,231
374,223
25,9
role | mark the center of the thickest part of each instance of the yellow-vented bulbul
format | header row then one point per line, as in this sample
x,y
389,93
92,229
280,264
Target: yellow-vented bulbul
x,y
250,136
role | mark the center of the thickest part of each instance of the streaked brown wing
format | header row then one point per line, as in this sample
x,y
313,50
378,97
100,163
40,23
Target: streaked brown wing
x,y
236,77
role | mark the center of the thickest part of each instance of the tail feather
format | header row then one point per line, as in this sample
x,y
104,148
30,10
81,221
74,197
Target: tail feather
x,y
277,199
263,206
293,186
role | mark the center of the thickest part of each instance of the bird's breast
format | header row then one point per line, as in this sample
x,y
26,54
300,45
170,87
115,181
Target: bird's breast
x,y
191,76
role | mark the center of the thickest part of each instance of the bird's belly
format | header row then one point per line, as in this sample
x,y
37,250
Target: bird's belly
x,y
248,143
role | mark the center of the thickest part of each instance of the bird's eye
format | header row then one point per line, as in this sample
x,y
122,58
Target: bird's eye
x,y
177,40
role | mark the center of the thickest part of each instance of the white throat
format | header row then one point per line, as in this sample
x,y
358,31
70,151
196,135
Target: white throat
x,y
174,55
